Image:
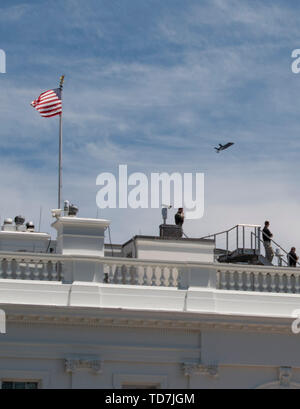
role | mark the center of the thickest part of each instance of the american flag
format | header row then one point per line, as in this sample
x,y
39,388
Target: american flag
x,y
49,103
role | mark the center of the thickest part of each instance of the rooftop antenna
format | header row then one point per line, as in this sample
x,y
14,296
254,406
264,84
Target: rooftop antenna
x,y
109,235
41,211
164,212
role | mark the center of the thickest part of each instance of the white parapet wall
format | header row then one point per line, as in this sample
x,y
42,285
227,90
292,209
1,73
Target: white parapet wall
x,y
24,241
155,248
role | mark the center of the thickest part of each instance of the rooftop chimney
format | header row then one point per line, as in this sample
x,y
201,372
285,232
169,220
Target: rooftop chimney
x,y
79,236
83,239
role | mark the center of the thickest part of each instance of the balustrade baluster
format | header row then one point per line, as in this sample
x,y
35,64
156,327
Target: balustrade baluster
x,y
9,268
248,281
119,274
171,277
256,282
178,277
2,262
54,273
223,280
240,281
136,275
36,272
297,283
111,273
273,283
145,275
232,280
60,270
289,283
218,283
27,270
162,276
46,270
280,283
153,277
128,276
264,282
106,269
18,269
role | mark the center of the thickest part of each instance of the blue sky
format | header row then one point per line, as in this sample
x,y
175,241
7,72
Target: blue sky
x,y
154,84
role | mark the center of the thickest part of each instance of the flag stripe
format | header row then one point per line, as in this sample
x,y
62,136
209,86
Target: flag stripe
x,y
45,106
50,116
48,104
44,111
44,101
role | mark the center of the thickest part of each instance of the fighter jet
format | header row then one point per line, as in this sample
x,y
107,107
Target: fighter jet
x,y
223,147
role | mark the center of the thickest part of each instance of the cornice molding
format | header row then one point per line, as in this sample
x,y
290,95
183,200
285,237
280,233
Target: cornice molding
x,y
205,324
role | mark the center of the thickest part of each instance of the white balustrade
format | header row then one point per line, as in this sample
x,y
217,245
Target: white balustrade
x,y
139,273
253,278
24,268
136,272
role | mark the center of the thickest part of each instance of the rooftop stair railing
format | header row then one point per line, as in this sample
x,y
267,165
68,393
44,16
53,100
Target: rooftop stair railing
x,y
241,238
277,253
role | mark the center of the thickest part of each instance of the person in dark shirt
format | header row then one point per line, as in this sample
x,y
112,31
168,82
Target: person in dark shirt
x,y
179,217
292,257
267,235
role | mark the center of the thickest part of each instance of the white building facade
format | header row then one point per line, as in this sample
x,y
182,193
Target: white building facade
x,y
154,313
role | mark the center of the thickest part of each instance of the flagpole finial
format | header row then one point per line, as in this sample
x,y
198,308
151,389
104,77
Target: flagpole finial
x,y
62,80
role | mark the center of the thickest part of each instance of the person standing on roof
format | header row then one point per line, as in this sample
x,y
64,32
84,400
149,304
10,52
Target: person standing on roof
x,y
292,257
267,235
179,217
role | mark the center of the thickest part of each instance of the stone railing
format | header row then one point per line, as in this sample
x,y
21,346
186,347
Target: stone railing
x,y
30,267
136,272
258,278
112,270
125,271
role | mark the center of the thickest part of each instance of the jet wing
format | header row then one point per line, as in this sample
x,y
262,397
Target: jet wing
x,y
227,145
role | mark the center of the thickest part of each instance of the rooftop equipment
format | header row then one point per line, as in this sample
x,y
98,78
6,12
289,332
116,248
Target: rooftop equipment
x,y
30,226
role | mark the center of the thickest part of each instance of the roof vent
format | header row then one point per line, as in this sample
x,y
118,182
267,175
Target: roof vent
x,y
8,225
70,209
73,210
30,226
8,220
19,220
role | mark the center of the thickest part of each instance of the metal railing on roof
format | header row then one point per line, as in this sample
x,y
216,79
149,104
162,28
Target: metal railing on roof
x,y
277,254
239,239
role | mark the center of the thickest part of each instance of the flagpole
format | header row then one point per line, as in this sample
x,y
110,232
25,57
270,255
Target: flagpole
x,y
62,78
